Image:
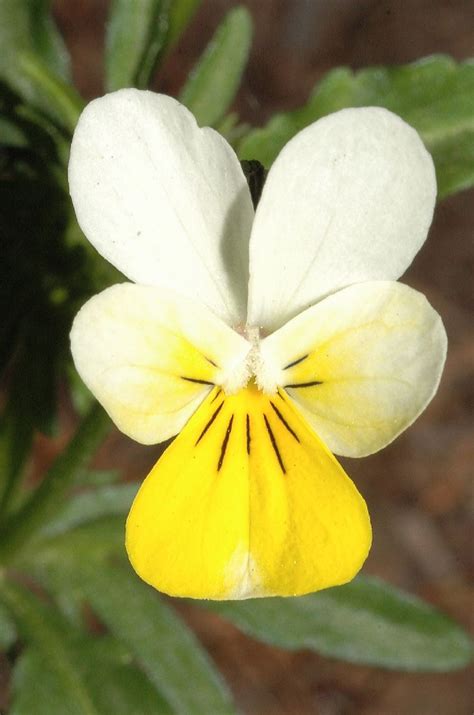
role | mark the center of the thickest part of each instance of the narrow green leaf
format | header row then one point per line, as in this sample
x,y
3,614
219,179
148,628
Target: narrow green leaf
x,y
89,506
179,16
135,34
47,41
213,83
7,629
116,685
167,651
98,477
40,626
60,99
34,60
155,49
57,560
32,392
435,95
21,526
366,621
64,670
81,397
11,134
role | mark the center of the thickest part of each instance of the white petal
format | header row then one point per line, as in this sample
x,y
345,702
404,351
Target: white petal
x,y
349,199
375,351
164,201
150,357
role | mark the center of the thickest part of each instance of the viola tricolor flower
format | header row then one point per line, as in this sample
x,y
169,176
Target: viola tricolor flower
x,y
267,339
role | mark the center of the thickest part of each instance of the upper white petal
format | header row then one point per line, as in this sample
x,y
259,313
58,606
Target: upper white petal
x,y
349,199
163,200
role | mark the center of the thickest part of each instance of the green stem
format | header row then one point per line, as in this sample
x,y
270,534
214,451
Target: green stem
x,y
20,528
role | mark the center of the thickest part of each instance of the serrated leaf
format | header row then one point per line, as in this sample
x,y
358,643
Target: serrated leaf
x,y
366,621
63,670
168,652
435,95
34,60
134,37
212,85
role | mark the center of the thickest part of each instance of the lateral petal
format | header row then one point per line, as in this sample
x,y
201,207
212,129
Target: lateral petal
x,y
163,200
247,502
150,357
361,364
349,199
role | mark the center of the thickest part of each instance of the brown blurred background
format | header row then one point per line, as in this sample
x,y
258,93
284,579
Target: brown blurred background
x,y
419,489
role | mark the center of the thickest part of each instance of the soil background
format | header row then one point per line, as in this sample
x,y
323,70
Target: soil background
x,y
419,489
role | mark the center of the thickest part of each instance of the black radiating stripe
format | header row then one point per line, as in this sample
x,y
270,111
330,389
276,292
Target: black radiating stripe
x,y
216,396
247,424
305,384
195,379
282,419
209,423
274,444
225,443
211,361
295,362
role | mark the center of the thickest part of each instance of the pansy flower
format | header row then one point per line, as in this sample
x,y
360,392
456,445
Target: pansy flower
x,y
266,339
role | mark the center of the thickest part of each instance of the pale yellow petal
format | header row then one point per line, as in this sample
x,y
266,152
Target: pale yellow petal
x,y
151,357
361,365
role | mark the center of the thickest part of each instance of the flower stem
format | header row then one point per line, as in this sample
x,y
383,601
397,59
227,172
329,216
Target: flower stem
x,y
21,526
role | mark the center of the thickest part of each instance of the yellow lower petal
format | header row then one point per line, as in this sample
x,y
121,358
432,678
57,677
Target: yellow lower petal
x,y
247,502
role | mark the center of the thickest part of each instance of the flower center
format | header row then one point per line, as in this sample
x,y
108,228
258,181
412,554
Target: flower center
x,y
250,366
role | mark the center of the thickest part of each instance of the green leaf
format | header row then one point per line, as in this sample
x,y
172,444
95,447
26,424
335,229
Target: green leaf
x,y
57,560
76,565
7,629
34,60
48,92
40,626
213,83
21,526
11,134
366,621
34,330
134,37
89,506
81,397
179,16
167,651
435,95
98,477
63,670
116,685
